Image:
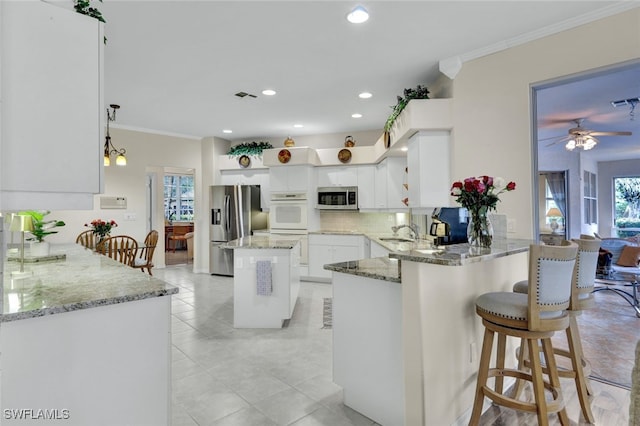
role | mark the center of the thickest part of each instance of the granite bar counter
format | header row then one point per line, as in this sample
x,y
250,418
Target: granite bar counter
x,y
266,280
86,336
406,336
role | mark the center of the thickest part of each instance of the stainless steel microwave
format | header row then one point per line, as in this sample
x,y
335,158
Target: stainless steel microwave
x,y
337,198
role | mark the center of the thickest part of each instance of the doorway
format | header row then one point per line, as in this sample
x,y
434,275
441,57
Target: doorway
x,y
585,100
179,215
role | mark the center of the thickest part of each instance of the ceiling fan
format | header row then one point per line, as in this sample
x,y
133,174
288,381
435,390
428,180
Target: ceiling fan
x,y
580,137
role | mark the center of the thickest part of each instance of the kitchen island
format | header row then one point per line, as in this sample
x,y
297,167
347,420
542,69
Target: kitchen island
x,y
86,340
441,336
266,280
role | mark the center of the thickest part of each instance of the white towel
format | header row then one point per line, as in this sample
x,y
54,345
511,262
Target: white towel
x,y
263,278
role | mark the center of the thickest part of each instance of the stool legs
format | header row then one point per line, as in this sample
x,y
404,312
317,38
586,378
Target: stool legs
x,y
577,372
540,406
582,383
483,376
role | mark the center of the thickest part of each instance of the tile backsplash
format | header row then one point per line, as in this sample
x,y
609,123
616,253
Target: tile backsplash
x,y
362,222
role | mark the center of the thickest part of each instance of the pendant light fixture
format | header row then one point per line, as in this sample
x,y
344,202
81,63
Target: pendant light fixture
x,y
109,149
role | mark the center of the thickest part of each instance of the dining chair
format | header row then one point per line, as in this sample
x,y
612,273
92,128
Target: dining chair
x,y
120,247
87,239
144,260
535,317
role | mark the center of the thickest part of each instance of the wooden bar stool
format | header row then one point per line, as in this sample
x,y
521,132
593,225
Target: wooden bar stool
x,y
533,317
581,299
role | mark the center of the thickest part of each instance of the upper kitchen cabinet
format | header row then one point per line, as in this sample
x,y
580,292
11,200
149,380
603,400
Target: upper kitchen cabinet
x,y
52,116
338,176
428,161
292,179
390,180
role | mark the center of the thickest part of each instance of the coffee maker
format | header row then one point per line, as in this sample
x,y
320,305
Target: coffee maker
x,y
449,225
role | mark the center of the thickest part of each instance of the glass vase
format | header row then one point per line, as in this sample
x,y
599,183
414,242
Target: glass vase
x,y
479,230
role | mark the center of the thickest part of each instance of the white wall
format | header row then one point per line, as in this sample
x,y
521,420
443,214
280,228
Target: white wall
x,y
146,152
492,107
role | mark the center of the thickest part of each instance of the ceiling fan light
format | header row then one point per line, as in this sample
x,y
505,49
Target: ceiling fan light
x,y
589,143
571,144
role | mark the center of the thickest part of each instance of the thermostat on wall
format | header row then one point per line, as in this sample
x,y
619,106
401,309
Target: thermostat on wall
x,y
113,202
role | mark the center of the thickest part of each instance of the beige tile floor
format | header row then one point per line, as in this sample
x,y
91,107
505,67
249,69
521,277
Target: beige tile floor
x,y
227,376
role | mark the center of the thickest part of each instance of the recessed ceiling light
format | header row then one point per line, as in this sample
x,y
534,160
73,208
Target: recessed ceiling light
x,y
269,92
365,95
356,115
358,15
298,126
404,148
227,131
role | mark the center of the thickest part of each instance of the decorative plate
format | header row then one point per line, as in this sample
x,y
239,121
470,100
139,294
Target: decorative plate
x,y
244,161
284,156
344,155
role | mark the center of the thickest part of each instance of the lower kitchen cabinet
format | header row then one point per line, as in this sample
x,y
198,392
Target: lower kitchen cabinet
x,y
333,248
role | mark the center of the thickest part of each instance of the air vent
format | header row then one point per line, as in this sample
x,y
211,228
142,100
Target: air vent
x,y
623,102
243,94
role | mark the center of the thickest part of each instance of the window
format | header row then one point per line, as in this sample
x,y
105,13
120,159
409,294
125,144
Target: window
x,y
590,212
627,205
178,197
549,202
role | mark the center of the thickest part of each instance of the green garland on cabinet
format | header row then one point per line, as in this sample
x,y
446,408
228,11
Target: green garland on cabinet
x,y
253,149
420,92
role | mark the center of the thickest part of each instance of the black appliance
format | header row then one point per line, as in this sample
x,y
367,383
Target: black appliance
x,y
449,225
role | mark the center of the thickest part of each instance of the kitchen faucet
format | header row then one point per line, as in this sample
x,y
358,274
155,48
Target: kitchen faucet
x,y
413,227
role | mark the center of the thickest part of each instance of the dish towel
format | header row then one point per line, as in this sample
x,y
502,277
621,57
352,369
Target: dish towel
x,y
263,278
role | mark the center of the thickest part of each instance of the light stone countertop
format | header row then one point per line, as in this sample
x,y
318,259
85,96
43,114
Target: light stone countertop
x,y
83,280
261,242
378,268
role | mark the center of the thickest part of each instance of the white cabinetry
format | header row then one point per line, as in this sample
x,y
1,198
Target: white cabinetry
x,y
249,177
338,176
52,113
390,175
366,187
291,178
429,169
332,248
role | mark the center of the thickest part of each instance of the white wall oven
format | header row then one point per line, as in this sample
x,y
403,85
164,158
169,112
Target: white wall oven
x,y
288,219
288,211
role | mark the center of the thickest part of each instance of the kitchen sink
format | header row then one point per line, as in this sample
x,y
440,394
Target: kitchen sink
x,y
428,251
396,239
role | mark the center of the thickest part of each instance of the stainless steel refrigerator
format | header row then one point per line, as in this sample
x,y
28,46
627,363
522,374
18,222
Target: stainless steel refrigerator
x,y
235,212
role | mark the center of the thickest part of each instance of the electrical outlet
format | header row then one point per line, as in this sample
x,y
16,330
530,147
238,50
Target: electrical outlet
x,y
511,225
129,216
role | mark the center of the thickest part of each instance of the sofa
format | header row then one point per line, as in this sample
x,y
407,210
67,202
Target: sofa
x,y
625,254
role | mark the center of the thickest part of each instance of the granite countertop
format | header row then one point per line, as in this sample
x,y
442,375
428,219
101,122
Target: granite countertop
x,y
83,280
262,242
378,268
462,254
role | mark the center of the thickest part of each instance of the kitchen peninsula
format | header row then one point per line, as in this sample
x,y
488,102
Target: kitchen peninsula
x,y
425,325
85,339
266,280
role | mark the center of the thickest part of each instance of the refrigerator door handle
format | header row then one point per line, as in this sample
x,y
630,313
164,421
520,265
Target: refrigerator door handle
x,y
227,214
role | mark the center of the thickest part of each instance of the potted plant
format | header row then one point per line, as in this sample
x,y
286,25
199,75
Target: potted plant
x,y
246,150
41,228
420,92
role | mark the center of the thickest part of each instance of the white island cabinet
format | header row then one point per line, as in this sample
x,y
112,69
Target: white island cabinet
x,y
266,280
325,248
51,61
85,341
